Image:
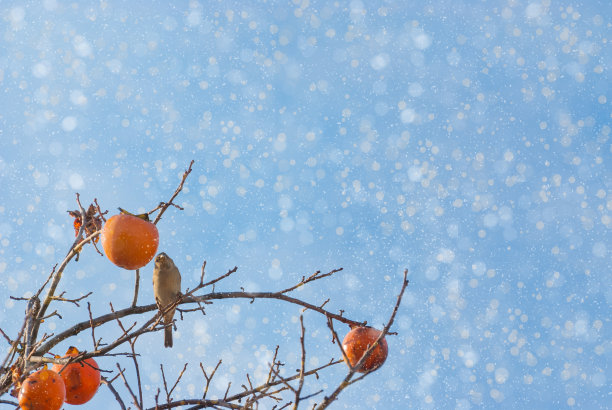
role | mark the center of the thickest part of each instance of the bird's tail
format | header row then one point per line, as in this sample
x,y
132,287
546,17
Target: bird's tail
x,y
168,336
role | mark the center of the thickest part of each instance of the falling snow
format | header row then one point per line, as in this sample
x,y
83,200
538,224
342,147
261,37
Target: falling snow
x,y
469,143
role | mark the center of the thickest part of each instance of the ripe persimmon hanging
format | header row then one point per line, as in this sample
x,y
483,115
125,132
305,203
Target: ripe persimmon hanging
x,y
129,242
357,342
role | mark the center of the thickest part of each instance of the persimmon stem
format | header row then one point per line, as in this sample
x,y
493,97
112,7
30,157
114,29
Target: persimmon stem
x,y
136,286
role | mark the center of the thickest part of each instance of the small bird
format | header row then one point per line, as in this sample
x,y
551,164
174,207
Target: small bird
x,y
166,288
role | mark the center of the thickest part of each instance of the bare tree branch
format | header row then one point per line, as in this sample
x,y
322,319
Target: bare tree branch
x,y
187,300
346,382
280,388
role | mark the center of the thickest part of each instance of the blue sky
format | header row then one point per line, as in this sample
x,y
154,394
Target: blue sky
x,y
468,142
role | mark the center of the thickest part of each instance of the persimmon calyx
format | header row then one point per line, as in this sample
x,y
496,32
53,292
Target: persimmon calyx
x,y
144,217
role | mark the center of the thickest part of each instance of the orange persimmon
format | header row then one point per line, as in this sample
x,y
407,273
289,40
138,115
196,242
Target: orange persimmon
x,y
129,242
358,341
82,379
42,390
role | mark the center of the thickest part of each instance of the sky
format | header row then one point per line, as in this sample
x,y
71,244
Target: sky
x,y
465,141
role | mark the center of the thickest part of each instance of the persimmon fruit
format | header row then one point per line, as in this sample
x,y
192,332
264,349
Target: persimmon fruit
x,y
81,379
358,341
129,242
42,390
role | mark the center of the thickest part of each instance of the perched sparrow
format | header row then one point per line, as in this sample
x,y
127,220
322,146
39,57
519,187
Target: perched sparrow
x,y
166,288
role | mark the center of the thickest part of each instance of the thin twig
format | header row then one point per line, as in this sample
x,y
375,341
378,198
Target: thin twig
x,y
136,286
257,392
273,362
202,274
13,349
302,364
74,251
76,301
134,399
165,205
315,276
8,339
110,386
31,313
161,366
93,333
132,342
208,378
336,339
225,275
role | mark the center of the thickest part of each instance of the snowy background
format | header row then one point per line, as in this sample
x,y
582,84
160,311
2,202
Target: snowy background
x,y
468,141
